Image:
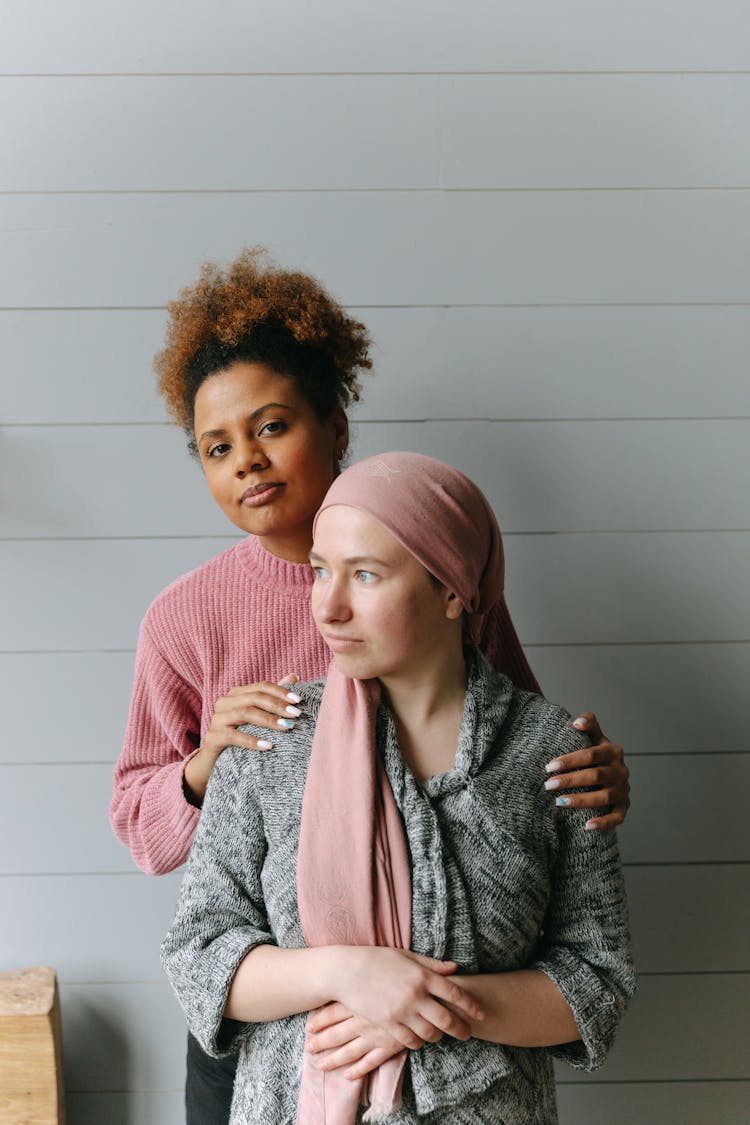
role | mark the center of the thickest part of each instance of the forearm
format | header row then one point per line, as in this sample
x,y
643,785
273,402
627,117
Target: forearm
x,y
523,1008
196,775
273,983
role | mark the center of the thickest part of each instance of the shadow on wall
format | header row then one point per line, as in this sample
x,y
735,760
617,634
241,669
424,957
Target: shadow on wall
x,y
99,1049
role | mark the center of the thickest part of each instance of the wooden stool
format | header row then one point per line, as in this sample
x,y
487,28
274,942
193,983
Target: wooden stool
x,y
31,1079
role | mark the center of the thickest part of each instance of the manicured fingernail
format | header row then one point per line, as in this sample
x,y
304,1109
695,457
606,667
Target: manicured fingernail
x,y
293,698
563,801
580,724
293,711
552,766
285,724
589,825
553,783
264,744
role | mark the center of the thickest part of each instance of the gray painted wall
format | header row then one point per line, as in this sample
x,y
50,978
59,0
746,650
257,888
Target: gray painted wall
x,y
542,212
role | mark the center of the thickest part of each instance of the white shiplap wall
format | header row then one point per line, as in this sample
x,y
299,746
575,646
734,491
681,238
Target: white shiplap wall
x,y
542,211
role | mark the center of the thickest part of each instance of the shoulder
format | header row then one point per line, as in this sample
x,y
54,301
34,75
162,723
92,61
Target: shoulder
x,y
173,610
522,723
196,582
282,765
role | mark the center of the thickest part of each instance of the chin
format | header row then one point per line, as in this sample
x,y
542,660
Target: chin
x,y
355,667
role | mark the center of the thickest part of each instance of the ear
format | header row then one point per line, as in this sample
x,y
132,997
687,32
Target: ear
x,y
453,607
340,424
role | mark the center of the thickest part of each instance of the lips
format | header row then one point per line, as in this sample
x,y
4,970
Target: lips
x,y
341,643
259,494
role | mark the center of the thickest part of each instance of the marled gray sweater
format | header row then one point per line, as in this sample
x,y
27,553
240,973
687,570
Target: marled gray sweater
x,y
501,880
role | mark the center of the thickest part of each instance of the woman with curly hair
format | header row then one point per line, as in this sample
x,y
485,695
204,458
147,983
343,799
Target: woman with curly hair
x,y
259,366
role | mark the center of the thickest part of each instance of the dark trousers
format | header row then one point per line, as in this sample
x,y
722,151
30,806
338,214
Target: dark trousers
x,y
208,1087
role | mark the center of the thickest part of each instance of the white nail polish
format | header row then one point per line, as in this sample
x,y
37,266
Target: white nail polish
x,y
553,783
552,766
293,698
295,711
264,744
580,724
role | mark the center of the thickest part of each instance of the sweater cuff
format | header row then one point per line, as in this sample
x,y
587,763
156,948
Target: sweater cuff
x,y
595,1009
171,821
204,1004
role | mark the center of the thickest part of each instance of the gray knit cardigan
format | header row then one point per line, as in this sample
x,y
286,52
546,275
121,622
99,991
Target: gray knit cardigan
x,y
501,880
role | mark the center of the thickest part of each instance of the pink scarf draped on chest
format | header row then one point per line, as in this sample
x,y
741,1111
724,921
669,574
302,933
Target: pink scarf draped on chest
x,y
353,874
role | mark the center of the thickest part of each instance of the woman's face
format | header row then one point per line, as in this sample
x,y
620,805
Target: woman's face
x,y
374,604
268,459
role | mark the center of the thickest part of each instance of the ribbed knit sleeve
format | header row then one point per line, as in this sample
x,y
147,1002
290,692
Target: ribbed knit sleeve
x,y
241,618
502,648
148,811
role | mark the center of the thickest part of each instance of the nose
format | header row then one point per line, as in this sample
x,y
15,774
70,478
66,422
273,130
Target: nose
x,y
331,602
249,457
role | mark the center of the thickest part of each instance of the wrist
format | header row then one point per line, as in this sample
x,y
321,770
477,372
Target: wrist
x,y
195,775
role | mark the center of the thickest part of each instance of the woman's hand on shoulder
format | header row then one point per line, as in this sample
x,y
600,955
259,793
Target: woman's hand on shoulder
x,y
273,706
600,769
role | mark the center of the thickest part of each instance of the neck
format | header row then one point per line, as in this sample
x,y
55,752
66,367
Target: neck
x,y
427,704
294,547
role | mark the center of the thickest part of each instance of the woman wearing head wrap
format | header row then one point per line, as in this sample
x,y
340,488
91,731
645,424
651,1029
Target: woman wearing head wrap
x,y
395,869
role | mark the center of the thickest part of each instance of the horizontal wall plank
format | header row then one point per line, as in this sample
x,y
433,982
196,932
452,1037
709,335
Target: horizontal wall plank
x,y
663,1035
650,698
393,248
132,1107
429,363
64,707
130,1036
122,1037
679,810
289,35
562,589
670,797
594,131
58,821
668,1103
180,133
539,476
109,928
90,927
507,131
676,912
607,476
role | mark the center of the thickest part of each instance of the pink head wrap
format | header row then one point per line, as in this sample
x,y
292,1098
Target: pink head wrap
x,y
438,515
353,874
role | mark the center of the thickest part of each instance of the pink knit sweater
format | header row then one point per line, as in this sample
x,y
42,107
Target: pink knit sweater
x,y
241,618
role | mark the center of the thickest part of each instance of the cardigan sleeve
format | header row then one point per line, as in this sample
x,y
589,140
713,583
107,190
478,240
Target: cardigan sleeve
x,y
149,812
585,945
221,914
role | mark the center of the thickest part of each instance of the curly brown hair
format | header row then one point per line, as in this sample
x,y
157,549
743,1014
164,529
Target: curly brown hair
x,y
254,311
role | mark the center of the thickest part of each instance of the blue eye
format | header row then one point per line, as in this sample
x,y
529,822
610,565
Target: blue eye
x,y
366,576
320,573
